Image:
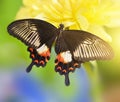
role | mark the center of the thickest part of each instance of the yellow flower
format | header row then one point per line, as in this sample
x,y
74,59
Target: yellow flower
x,y
91,16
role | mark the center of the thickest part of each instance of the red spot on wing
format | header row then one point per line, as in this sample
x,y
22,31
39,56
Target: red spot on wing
x,y
45,53
30,49
42,62
60,58
76,64
64,71
71,69
32,55
36,61
59,68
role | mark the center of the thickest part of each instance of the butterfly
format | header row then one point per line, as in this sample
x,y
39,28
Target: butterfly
x,y
73,47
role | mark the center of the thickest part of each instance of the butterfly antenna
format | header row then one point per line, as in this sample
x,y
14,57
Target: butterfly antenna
x,y
29,68
67,81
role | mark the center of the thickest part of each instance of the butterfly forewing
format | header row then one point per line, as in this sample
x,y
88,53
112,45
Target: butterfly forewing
x,y
32,32
85,46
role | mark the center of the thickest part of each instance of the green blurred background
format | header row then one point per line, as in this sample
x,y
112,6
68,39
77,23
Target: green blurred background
x,y
8,10
13,55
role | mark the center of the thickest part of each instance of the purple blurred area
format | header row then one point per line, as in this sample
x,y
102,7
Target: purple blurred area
x,y
18,86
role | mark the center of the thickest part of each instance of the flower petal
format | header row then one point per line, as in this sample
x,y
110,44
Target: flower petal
x,y
100,32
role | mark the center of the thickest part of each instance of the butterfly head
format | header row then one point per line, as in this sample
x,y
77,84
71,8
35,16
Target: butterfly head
x,y
61,26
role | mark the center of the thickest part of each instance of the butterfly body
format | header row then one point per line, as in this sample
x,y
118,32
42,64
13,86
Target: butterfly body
x,y
72,47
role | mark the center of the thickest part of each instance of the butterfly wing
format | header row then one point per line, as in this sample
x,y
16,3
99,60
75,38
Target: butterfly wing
x,y
32,32
74,47
38,35
85,46
64,62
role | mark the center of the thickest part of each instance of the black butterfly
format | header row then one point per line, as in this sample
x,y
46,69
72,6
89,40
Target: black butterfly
x,y
73,47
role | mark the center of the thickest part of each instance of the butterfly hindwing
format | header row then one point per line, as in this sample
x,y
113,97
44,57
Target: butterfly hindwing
x,y
32,32
85,46
39,57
